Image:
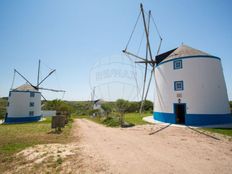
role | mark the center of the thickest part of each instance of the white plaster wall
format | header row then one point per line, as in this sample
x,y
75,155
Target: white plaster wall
x,y
19,104
204,87
48,113
97,106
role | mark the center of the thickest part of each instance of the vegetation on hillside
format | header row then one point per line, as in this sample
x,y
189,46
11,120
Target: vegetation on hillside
x,y
3,105
113,121
58,105
119,113
113,111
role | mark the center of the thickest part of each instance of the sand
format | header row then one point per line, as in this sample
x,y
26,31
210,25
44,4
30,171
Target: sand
x,y
138,150
145,149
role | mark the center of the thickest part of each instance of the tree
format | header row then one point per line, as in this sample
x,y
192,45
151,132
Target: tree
x,y
3,105
148,105
107,107
58,105
133,107
82,107
121,107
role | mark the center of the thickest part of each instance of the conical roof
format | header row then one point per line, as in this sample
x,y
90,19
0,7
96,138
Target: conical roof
x,y
184,51
25,87
181,51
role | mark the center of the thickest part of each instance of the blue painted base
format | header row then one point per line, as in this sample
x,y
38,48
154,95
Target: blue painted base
x,y
12,120
195,119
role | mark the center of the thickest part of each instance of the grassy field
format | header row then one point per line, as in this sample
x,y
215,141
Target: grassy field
x,y
223,131
15,137
133,118
136,118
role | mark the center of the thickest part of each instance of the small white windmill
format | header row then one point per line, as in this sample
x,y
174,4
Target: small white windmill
x,y
24,102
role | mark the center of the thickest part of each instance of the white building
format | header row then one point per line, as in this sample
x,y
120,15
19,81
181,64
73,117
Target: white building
x,y
97,104
190,88
24,105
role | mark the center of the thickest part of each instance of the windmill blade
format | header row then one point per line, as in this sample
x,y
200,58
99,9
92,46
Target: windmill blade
x,y
146,64
146,28
149,83
43,97
131,54
46,77
13,81
133,30
25,79
144,84
148,61
148,87
53,90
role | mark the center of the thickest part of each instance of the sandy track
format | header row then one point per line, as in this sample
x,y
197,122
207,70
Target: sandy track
x,y
133,150
99,149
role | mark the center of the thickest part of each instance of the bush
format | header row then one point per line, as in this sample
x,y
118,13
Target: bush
x,y
111,121
147,106
94,112
82,107
3,105
133,107
58,105
108,108
122,105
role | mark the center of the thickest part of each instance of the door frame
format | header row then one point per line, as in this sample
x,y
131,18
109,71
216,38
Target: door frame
x,y
174,108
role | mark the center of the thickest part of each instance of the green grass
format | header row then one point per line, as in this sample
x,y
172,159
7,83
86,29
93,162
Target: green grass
x,y
223,131
15,137
133,118
136,118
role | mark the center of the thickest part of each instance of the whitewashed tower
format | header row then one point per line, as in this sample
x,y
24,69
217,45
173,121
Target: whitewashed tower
x,y
24,105
190,88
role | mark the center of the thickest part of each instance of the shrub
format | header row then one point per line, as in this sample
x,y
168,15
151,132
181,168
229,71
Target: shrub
x,y
111,121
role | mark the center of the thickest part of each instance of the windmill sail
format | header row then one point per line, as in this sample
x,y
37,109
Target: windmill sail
x,y
148,60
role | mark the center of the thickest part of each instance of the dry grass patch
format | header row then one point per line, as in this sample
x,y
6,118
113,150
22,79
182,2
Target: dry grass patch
x,y
16,137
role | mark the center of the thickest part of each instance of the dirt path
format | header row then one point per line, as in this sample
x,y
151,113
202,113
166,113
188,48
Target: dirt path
x,y
133,150
99,149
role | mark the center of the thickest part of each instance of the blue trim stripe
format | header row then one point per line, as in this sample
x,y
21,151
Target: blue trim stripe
x,y
189,57
165,117
25,119
24,91
195,119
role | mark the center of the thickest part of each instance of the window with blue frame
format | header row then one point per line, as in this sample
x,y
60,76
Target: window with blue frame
x,y
31,113
177,64
178,85
32,104
32,94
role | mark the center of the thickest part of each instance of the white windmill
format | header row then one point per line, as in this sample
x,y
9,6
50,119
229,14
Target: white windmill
x,y
24,102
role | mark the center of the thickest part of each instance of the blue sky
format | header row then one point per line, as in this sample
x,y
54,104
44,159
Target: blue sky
x,y
72,35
